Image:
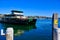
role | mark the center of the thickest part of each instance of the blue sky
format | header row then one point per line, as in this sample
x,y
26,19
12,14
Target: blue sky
x,y
31,7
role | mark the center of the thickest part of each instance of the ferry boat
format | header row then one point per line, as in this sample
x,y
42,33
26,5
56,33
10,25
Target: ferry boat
x,y
17,17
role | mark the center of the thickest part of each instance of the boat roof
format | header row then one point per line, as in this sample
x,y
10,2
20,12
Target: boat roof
x,y
16,11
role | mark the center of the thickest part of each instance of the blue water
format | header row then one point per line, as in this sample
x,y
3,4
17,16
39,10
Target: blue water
x,y
43,31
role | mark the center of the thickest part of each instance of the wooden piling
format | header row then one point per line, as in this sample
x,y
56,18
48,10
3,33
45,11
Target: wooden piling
x,y
9,34
55,25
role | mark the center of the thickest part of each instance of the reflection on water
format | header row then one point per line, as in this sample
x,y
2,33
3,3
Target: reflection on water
x,y
19,29
42,30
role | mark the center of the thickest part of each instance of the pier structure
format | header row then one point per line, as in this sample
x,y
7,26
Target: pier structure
x,y
55,20
56,29
9,34
55,25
